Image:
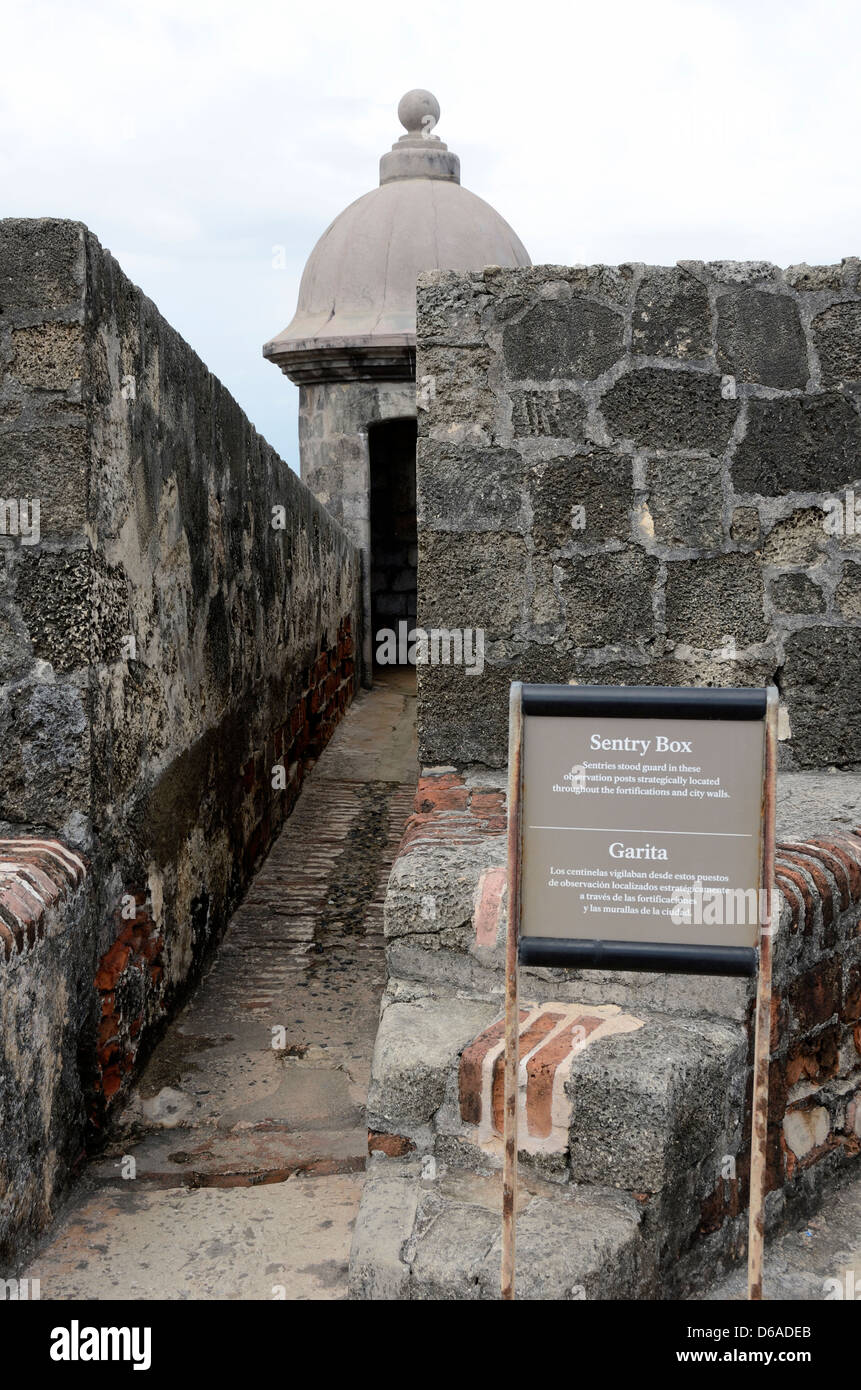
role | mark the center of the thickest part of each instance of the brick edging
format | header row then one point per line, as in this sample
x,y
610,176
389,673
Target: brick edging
x,y
35,875
446,807
821,875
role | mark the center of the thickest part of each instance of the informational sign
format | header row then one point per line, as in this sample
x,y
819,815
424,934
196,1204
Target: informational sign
x,y
641,837
641,828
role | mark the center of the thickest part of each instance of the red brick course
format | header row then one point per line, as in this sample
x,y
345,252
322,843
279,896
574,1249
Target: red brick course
x,y
446,808
130,982
482,1065
325,690
392,1145
541,1070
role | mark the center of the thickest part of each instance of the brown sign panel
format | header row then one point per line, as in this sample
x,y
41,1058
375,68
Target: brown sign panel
x,y
636,828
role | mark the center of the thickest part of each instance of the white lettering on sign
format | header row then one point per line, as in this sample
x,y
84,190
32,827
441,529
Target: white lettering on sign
x,y
620,851
641,745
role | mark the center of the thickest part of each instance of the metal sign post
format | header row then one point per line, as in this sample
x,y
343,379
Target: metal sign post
x,y
512,1011
680,783
762,1035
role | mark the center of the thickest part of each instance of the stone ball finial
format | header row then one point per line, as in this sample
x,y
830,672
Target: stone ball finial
x,y
413,109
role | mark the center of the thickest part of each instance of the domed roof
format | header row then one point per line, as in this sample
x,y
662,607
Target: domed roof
x,y
356,316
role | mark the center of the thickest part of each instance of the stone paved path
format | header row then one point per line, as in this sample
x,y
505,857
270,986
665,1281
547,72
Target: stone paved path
x,y
248,1158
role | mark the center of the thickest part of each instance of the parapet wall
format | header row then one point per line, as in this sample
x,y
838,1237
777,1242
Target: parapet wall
x,y
176,636
642,475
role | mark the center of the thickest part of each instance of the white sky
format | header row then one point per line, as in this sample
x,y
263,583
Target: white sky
x,y
193,136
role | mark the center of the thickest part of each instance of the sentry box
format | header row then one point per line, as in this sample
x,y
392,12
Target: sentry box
x,y
641,837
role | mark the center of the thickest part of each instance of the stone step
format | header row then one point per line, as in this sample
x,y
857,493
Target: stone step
x,y
620,1098
648,1105
430,1232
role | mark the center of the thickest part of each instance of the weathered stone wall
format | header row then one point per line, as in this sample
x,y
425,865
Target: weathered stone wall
x,y
165,648
624,476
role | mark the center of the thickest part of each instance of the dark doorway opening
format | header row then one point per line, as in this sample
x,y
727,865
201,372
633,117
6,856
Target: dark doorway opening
x,y
394,540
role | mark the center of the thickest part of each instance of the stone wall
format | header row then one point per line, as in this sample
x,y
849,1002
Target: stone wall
x,y
631,475
623,476
176,643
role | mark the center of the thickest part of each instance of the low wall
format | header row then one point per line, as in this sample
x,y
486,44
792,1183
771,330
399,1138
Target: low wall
x,y
658,1103
47,960
177,635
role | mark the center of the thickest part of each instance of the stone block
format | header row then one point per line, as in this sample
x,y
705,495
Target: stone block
x,y
580,497
659,408
820,680
672,315
799,444
608,598
45,772
449,308
812,279
471,579
685,501
563,339
837,338
760,339
797,539
552,413
712,600
446,692
647,1106
413,1056
580,1246
49,357
797,593
745,527
55,593
805,1129
42,263
462,404
431,891
384,1224
848,592
51,464
471,1230
469,489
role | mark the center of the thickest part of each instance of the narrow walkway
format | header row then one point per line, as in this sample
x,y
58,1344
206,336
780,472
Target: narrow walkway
x,y
246,1137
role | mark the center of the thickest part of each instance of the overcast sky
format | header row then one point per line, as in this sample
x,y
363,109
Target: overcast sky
x,y
194,136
